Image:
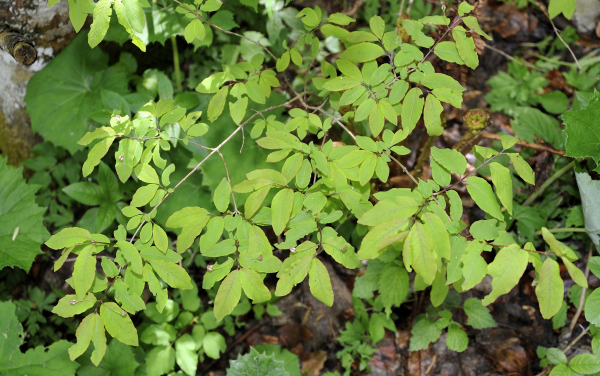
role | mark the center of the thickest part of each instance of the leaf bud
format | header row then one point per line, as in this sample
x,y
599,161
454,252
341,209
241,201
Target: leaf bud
x,y
73,301
293,249
209,267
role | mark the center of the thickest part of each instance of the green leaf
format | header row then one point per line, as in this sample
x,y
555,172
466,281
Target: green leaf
x,y
447,51
255,92
78,12
96,154
128,299
472,24
414,29
255,200
363,52
589,190
217,104
423,333
523,168
481,192
555,356
377,26
146,173
592,307
400,207
144,195
503,183
161,240
450,159
439,80
319,282
423,256
506,269
550,289
222,196
583,139
118,324
466,47
412,108
561,370
185,354
131,254
474,266
464,8
438,232
84,334
566,7
70,305
237,109
281,208
253,286
376,120
256,363
478,316
432,116
173,274
456,339
585,364
341,83
228,295
575,273
102,13
367,168
393,284
135,15
340,19
22,231
283,62
84,271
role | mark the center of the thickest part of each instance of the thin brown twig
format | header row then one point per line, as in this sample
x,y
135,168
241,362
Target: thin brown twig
x,y
523,63
524,144
543,8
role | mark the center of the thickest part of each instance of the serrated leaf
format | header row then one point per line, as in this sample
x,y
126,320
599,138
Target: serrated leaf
x,y
583,139
423,332
585,364
256,363
478,316
456,339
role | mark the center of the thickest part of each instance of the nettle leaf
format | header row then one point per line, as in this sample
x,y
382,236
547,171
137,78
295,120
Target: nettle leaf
x,y
585,364
423,333
550,289
257,363
320,283
481,192
456,338
228,295
506,269
393,285
478,316
583,139
22,231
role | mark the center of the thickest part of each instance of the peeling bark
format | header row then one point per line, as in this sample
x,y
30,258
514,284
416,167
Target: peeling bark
x,y
29,29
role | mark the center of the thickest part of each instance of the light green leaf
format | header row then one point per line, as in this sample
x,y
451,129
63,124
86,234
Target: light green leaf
x,y
432,116
118,324
78,12
237,109
439,234
566,7
84,334
522,168
70,305
503,183
217,104
363,52
376,120
173,274
341,83
319,282
592,307
228,295
472,24
447,51
474,266
131,254
451,159
466,47
255,200
222,195
439,80
96,154
423,256
135,15
377,26
464,8
585,364
283,62
550,289
367,168
281,208
412,108
144,195
69,237
161,241
84,271
253,286
186,355
506,269
481,192
102,13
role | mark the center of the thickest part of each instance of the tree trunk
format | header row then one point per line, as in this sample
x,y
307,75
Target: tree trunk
x,y
31,34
